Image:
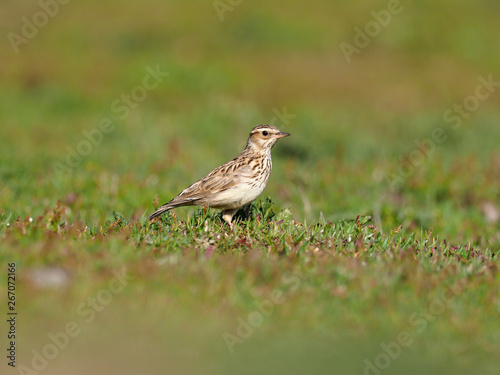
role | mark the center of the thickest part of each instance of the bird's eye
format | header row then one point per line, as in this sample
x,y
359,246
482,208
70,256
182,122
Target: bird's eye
x,y
265,133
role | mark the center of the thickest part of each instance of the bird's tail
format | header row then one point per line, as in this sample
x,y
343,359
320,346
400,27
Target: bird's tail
x,y
176,202
160,211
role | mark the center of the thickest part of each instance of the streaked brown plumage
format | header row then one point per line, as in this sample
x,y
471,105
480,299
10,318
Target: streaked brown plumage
x,y
236,183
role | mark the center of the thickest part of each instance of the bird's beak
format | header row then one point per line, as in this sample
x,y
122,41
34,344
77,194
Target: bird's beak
x,y
282,135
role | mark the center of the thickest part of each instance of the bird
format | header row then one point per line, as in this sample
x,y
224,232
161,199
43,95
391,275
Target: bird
x,y
235,184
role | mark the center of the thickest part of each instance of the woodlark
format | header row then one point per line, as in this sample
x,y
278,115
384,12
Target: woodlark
x,y
236,183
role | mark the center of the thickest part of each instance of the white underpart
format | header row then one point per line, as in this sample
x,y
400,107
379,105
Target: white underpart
x,y
241,194
237,196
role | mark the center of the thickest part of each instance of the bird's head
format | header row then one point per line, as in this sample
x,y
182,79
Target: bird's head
x,y
263,137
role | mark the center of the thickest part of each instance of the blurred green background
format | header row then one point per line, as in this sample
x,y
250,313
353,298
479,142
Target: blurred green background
x,y
355,123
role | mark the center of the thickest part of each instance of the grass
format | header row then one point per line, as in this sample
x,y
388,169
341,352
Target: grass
x,y
318,290
337,272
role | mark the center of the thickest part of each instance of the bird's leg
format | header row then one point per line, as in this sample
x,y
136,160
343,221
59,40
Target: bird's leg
x,y
247,211
227,216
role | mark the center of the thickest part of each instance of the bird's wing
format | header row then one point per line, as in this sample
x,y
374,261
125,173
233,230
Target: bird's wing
x,y
220,179
223,178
